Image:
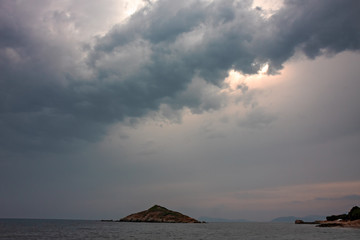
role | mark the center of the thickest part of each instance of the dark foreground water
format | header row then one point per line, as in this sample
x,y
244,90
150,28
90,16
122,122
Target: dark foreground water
x,y
70,229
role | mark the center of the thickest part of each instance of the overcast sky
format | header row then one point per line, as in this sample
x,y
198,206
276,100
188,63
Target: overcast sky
x,y
229,108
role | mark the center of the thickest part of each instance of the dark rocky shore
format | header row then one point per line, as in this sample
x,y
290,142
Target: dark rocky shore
x,y
351,219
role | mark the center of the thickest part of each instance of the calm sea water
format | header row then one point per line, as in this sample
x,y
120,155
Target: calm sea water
x,y
71,229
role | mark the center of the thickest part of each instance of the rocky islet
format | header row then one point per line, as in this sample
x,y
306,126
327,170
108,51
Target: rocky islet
x,y
158,214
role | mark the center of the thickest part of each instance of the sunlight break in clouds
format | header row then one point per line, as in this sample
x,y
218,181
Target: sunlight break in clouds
x,y
237,80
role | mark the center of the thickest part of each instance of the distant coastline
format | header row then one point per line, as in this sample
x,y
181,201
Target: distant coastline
x,y
221,220
291,219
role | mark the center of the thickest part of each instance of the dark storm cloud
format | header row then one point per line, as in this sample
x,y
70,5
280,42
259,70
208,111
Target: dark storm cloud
x,y
149,60
315,27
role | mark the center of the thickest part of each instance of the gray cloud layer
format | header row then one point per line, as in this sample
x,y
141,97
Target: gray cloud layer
x,y
58,91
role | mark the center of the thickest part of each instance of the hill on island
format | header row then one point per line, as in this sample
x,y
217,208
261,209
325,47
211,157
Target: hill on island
x,y
159,214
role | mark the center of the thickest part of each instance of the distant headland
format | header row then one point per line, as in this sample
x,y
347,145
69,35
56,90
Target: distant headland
x,y
351,219
158,214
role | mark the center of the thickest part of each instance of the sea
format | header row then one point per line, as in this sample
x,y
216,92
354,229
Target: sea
x,y
83,229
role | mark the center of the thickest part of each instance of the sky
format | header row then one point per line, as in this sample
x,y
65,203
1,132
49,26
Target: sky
x,y
233,109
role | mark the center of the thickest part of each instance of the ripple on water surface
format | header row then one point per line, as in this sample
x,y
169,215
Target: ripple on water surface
x,y
70,229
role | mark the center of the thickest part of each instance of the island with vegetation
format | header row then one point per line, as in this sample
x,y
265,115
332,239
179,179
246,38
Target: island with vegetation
x,y
351,219
159,214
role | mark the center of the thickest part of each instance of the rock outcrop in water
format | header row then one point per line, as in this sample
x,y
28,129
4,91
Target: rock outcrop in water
x,y
353,215
159,214
352,219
